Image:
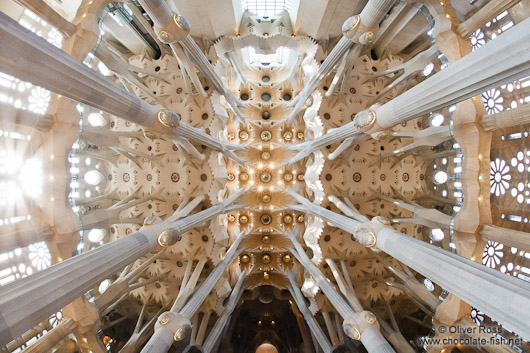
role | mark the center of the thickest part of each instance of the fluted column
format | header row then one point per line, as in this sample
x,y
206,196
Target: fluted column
x,y
483,16
499,61
164,19
506,118
21,302
31,58
374,11
174,326
224,319
359,29
474,283
361,325
11,115
315,328
49,15
52,337
26,336
506,236
24,237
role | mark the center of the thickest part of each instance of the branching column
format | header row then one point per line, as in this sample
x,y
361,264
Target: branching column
x,y
359,29
21,302
224,319
175,28
508,237
499,61
476,284
11,115
31,58
361,325
174,326
52,337
506,118
48,14
315,328
21,238
483,16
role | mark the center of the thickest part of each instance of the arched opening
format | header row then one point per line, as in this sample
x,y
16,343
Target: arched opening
x,y
266,348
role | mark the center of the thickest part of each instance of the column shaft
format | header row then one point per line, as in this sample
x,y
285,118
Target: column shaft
x,y
49,15
11,115
31,58
224,319
508,237
21,303
374,11
506,118
162,16
204,290
499,61
483,16
334,57
315,328
52,337
27,301
158,342
474,283
373,341
22,238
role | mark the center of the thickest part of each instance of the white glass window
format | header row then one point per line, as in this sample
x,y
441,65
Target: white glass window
x,y
266,7
440,177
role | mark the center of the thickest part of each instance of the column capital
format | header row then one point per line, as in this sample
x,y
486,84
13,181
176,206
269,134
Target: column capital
x,y
175,323
175,31
355,324
366,233
167,121
169,237
357,32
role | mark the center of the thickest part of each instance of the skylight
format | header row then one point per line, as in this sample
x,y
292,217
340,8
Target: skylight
x,y
266,7
280,57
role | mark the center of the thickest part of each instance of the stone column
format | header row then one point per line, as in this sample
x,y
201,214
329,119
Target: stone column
x,y
374,11
31,58
52,337
361,325
358,29
175,28
22,238
11,115
224,319
174,326
315,328
483,16
26,336
499,61
21,303
506,118
49,15
426,216
476,284
496,294
507,237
